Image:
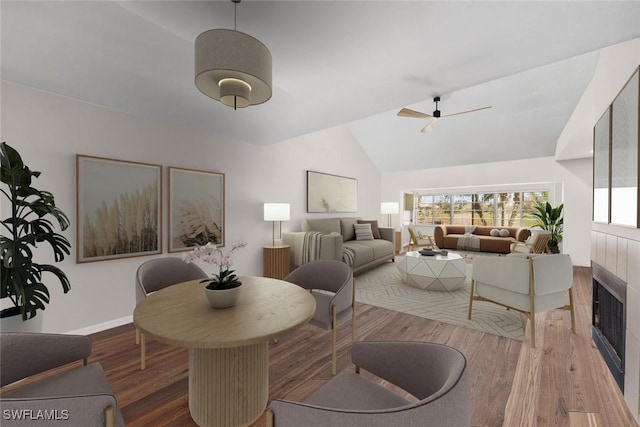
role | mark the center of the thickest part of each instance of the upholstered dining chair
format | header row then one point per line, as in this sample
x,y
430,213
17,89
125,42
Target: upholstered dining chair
x,y
417,240
537,243
156,274
79,395
437,376
529,284
331,284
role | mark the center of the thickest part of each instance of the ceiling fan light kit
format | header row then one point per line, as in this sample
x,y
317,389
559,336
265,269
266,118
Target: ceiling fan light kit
x,y
232,67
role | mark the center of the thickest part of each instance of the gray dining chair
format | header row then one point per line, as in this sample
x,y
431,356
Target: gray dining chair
x,y
156,274
79,395
437,376
331,284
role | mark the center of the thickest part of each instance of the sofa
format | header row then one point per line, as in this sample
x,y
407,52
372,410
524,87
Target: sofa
x,y
335,238
482,238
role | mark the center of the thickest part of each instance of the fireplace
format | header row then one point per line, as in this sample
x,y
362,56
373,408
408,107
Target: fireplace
x,y
609,319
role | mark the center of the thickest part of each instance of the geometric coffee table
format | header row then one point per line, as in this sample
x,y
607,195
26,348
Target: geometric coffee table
x,y
433,272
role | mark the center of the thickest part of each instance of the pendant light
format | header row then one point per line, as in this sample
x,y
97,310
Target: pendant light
x,y
232,67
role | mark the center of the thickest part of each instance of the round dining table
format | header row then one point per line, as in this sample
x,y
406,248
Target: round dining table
x,y
228,348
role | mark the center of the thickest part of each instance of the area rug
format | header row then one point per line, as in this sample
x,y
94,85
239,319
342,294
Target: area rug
x,y
383,287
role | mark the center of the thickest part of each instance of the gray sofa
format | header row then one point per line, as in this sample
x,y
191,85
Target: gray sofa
x,y
335,238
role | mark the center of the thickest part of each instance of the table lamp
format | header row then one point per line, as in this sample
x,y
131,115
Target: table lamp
x,y
276,212
390,208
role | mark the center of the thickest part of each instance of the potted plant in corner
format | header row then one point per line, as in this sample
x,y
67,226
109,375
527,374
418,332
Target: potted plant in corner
x,y
550,219
222,290
28,224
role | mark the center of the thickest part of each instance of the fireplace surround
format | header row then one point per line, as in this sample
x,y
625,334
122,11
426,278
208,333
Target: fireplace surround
x,y
609,319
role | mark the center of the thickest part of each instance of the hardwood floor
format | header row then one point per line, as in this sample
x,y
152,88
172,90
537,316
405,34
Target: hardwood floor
x,y
563,382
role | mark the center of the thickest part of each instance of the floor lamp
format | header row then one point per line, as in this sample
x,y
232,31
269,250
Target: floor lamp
x,y
390,208
276,212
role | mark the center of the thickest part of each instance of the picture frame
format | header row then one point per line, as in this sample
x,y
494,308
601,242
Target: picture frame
x,y
196,208
331,193
118,209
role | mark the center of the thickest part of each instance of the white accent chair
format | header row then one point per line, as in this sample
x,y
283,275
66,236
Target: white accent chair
x,y
331,284
156,274
529,284
537,243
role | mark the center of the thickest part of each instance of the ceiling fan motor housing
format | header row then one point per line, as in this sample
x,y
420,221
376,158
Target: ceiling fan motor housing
x,y
436,112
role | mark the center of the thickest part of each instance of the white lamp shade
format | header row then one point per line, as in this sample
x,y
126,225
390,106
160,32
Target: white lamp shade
x,y
276,211
390,207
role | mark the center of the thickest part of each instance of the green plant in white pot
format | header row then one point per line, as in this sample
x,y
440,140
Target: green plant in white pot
x,y
550,219
29,224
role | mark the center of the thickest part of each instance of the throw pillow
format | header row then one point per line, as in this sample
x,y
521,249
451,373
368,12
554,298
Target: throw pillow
x,y
495,232
363,231
374,227
504,232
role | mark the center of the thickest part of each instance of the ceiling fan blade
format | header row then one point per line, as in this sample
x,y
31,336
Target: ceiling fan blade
x,y
405,112
429,126
465,112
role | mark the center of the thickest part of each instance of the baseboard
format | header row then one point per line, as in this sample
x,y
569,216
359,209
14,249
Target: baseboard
x,y
102,326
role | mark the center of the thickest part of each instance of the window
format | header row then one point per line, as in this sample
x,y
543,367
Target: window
x,y
503,209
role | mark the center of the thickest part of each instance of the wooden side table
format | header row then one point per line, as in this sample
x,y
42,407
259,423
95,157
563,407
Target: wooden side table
x,y
276,263
398,241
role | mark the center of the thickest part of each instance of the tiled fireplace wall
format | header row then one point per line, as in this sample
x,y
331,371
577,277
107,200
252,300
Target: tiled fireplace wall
x,y
618,250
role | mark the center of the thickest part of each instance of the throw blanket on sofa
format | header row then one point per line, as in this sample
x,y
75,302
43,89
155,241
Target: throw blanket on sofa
x,y
310,247
468,241
348,255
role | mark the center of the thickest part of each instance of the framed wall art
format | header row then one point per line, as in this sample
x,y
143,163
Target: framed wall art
x,y
118,209
196,208
331,193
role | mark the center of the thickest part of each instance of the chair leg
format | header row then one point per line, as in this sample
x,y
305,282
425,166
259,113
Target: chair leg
x,y
109,417
532,325
353,312
269,418
137,336
333,340
473,287
143,352
573,316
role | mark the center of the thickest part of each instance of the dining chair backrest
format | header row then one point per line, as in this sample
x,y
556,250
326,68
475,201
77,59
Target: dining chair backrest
x,y
159,273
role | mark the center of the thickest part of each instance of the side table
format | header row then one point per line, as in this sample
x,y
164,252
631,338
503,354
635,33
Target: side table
x,y
276,263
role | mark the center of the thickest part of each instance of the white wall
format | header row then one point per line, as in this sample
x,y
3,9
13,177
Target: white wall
x,y
572,179
48,130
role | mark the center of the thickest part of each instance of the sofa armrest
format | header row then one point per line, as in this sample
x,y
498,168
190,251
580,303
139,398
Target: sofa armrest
x,y
330,246
439,232
60,350
388,233
523,234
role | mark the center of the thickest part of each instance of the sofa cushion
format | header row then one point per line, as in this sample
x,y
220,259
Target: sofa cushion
x,y
504,232
346,228
363,231
325,225
495,232
374,227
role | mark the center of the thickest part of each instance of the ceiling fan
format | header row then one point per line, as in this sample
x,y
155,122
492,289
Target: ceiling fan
x,y
405,112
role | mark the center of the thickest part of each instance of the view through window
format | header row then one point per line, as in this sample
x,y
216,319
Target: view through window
x,y
508,209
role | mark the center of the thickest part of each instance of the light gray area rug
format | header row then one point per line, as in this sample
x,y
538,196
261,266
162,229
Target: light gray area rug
x,y
383,287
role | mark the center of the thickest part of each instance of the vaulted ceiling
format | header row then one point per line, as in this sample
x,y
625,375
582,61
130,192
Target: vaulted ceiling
x,y
352,63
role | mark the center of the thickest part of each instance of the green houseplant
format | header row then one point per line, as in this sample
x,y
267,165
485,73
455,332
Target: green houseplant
x,y
550,219
29,223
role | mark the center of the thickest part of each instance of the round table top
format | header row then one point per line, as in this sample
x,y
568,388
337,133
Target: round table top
x,y
181,315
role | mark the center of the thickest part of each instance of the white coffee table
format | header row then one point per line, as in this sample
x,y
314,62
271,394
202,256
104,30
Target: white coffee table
x,y
433,273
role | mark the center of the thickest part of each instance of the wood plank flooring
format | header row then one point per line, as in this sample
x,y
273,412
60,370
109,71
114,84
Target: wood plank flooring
x,y
563,382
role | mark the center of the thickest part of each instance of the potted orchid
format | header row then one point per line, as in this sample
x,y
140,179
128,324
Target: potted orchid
x,y
222,289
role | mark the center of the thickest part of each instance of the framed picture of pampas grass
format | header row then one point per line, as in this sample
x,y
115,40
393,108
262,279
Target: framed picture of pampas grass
x,y
118,209
196,208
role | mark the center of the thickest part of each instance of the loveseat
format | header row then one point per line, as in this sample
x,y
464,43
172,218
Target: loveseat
x,y
335,238
479,237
